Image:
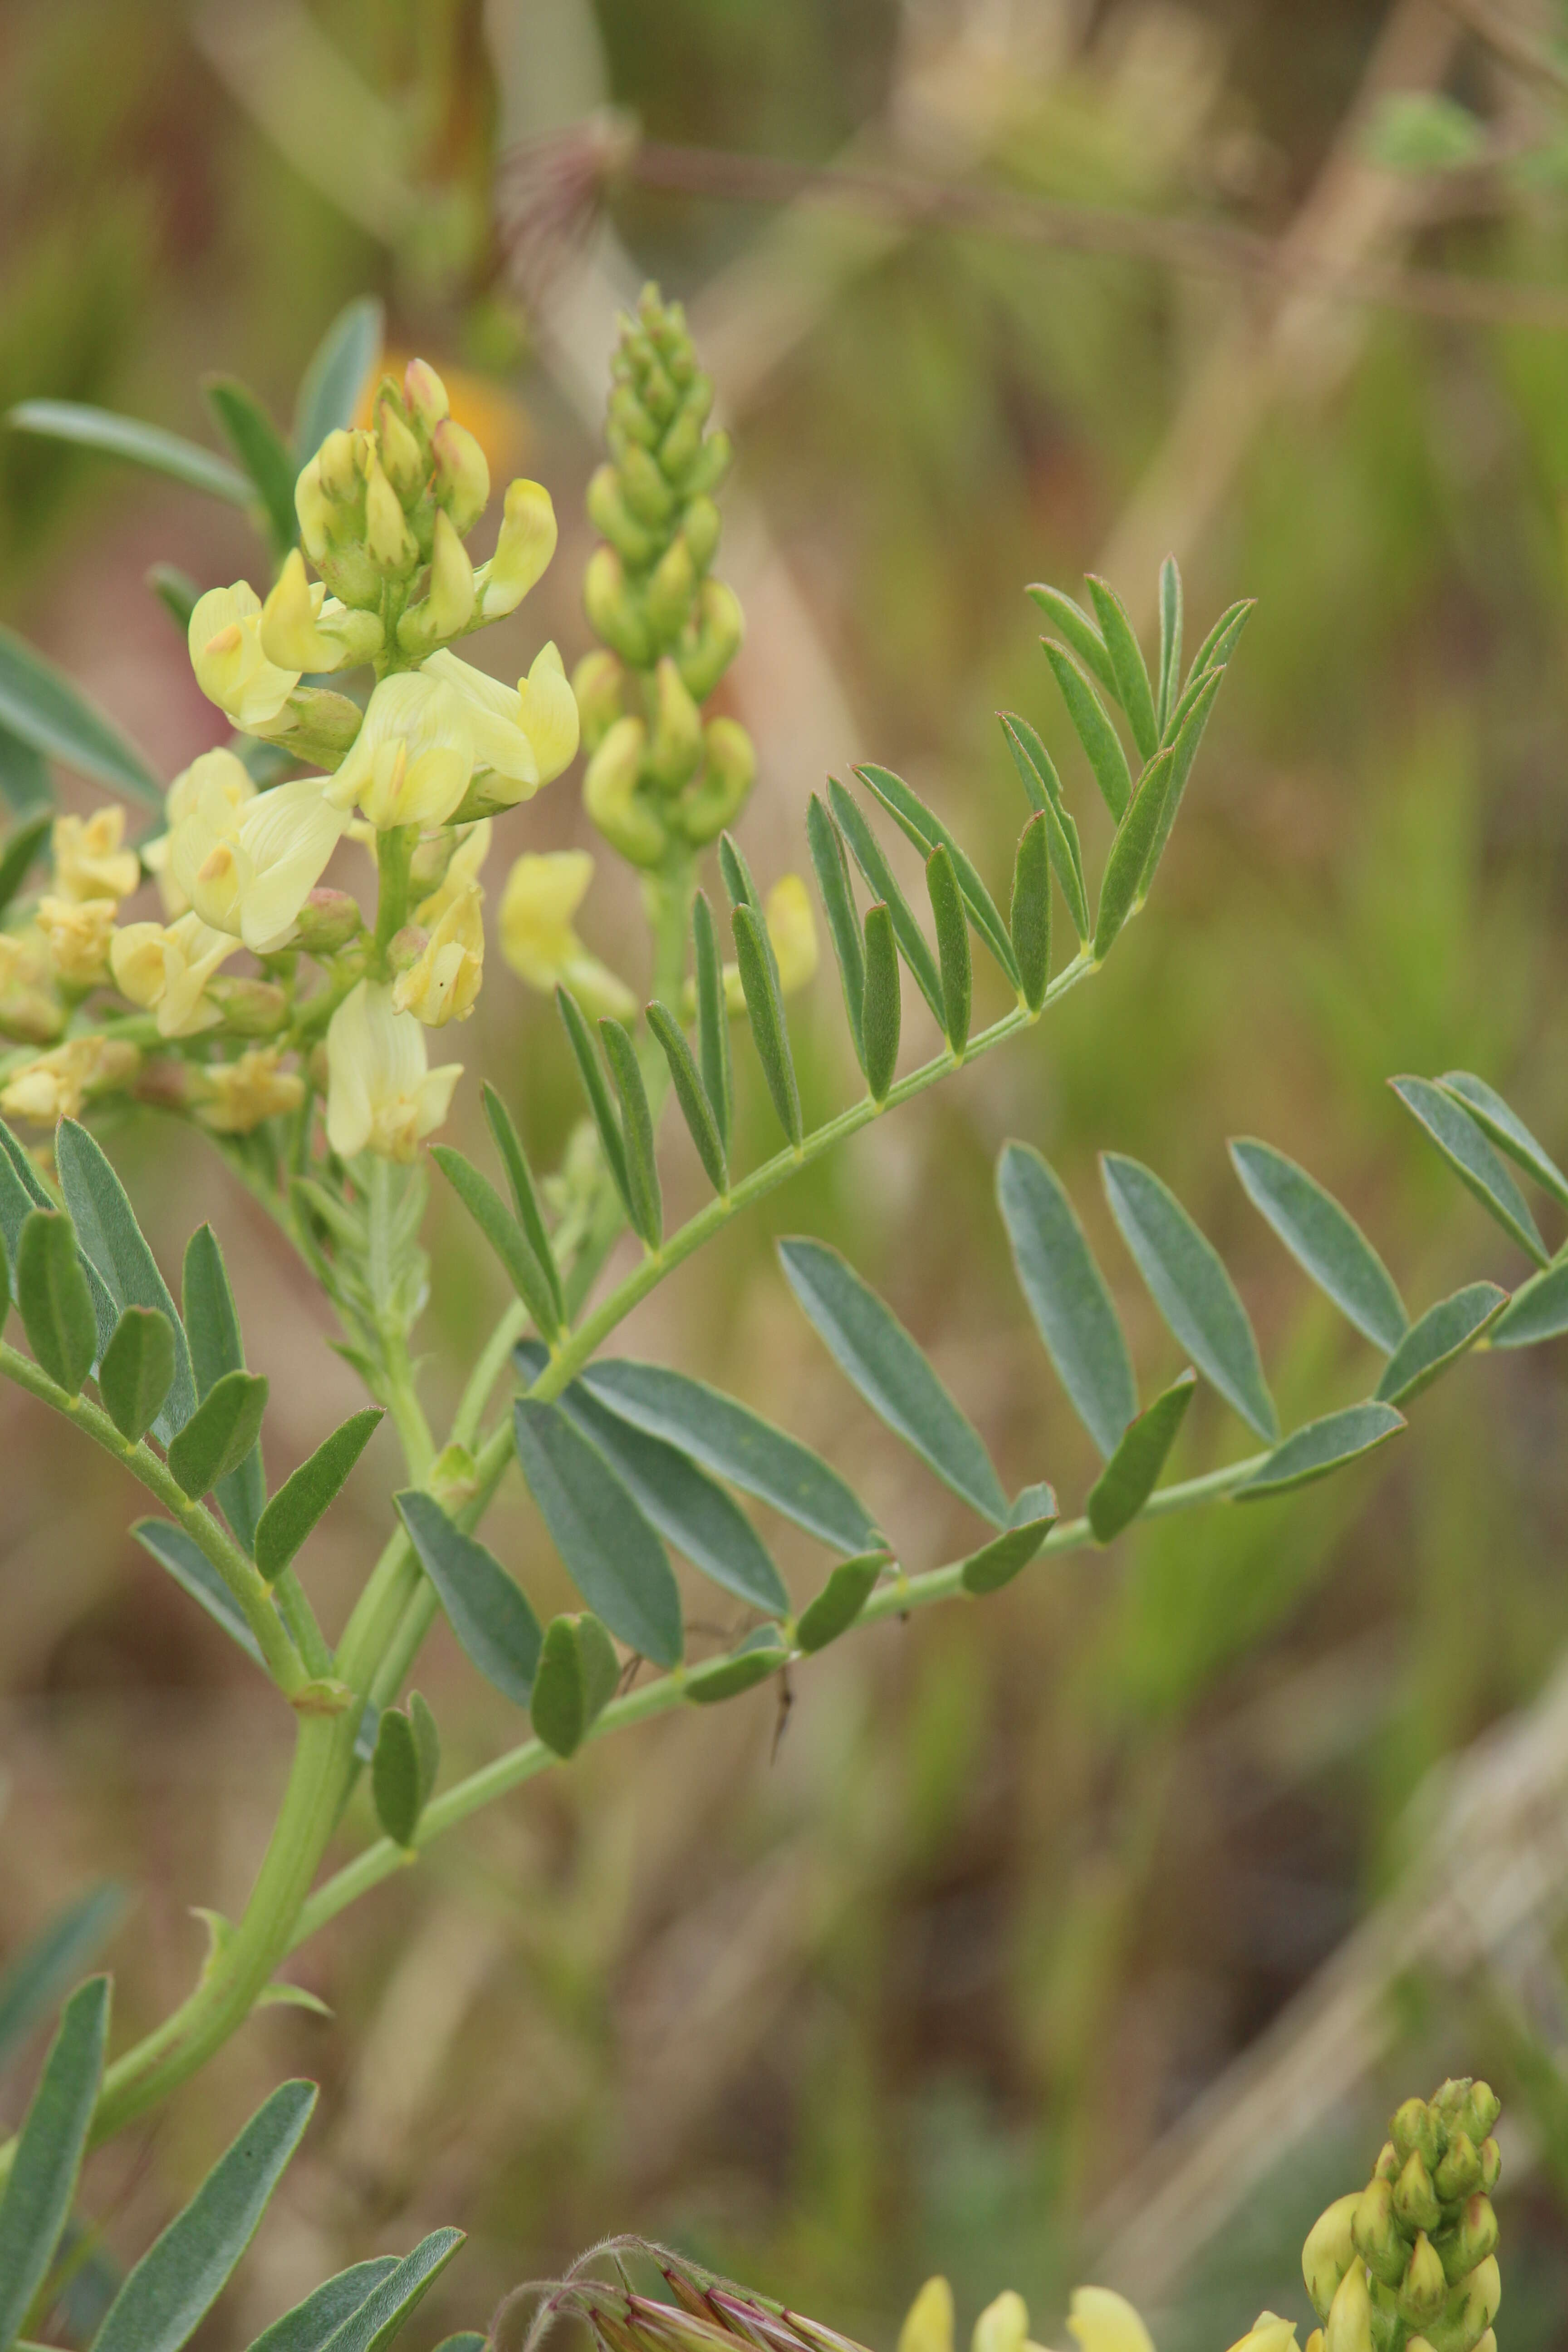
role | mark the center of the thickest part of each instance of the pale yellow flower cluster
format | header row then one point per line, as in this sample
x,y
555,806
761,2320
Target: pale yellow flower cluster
x,y
1100,2320
55,1084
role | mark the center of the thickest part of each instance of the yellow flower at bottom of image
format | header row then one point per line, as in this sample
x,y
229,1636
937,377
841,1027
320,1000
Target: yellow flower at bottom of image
x,y
55,1084
76,933
90,860
444,982
165,969
381,1095
233,1098
1099,2319
543,892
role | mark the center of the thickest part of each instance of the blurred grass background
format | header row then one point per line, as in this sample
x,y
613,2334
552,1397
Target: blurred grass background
x,y
1203,1818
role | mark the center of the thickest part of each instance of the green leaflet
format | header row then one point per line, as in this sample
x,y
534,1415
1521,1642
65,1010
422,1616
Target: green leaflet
x,y
180,2276
24,784
1130,854
1073,622
1324,1240
212,1325
525,1199
503,1233
882,1011
839,1603
608,1548
25,845
389,2306
53,1299
764,1008
1043,786
257,443
1132,689
308,1491
1032,1517
691,1095
1189,734
1218,645
312,2324
737,1446
761,1654
1190,1288
36,2203
677,1497
712,1018
404,1767
636,1128
922,826
1433,1342
41,1971
1031,910
191,1568
1507,1130
1459,1139
1067,1294
880,879
39,704
488,1612
1538,1310
737,873
219,1433
1100,742
832,868
1170,640
137,1368
597,1093
878,1355
578,1671
112,1242
140,445
336,375
1322,1446
1132,1473
951,945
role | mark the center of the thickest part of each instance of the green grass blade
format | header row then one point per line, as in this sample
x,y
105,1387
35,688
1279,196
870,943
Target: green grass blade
x,y
127,437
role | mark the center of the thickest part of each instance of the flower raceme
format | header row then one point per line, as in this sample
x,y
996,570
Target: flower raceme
x,y
165,969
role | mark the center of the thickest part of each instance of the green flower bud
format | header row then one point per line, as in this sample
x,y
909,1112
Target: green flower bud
x,y
1460,2173
712,464
610,795
329,920
1348,2327
1479,2112
629,417
1414,2131
729,770
338,465
1330,2251
1490,2156
388,540
1470,2311
1414,2198
1376,2233
699,528
647,493
448,605
615,613
677,450
667,598
599,684
462,481
1425,2289
1388,2164
614,520
425,395
674,743
1473,2237
402,459
250,1008
712,645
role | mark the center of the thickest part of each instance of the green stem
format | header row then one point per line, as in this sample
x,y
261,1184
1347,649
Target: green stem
x,y
250,1589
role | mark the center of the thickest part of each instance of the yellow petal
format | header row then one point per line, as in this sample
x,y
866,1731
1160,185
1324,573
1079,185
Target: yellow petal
x,y
549,716
928,2323
1103,2321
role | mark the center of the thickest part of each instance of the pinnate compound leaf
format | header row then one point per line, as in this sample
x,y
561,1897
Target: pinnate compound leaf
x,y
1324,1240
137,1369
504,1231
691,1095
1073,623
609,1551
336,375
737,1446
191,1568
1437,1338
761,1654
874,1350
764,1009
839,1603
1538,1310
636,1126
1031,911
39,704
922,826
1190,1287
308,1491
1459,1137
1132,689
312,2324
112,1241
712,1018
36,2203
525,1198
951,945
25,845
678,1499
1033,1516
578,1671
1507,1130
389,2307
219,1433
882,1011
212,1327
882,883
53,1299
112,435
1043,785
1100,742
1130,854
257,443
180,2276
1131,1475
1321,1447
40,1973
489,1613
1067,1294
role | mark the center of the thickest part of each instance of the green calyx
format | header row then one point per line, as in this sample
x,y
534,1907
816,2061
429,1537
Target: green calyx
x,y
1409,2263
660,781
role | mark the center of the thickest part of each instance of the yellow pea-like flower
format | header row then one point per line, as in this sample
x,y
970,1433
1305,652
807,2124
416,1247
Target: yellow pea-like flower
x,y
443,981
382,1097
233,1098
232,670
543,892
166,970
248,869
55,1084
527,542
89,858
77,932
